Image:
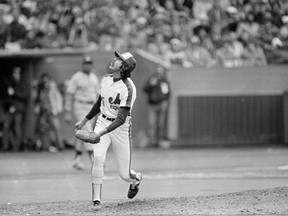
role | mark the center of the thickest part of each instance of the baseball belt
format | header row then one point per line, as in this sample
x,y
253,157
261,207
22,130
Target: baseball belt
x,y
109,119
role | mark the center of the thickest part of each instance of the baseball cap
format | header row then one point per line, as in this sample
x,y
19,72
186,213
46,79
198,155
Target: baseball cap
x,y
128,58
87,60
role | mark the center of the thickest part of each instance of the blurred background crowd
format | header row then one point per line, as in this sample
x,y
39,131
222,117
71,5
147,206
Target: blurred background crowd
x,y
189,33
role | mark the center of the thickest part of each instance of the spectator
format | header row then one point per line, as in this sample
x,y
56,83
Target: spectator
x,y
65,19
138,35
92,31
30,6
32,41
157,45
15,10
186,24
282,38
51,39
216,36
187,6
231,52
254,54
217,14
107,30
276,51
284,8
258,12
78,36
48,107
218,18
248,28
267,32
16,32
201,7
177,55
202,31
157,89
198,55
166,30
139,20
3,30
275,9
16,107
43,21
233,19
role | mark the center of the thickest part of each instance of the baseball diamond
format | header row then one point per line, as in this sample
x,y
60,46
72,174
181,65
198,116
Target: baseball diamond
x,y
151,107
233,181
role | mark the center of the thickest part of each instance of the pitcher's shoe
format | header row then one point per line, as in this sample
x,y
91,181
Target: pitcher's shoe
x,y
133,189
96,204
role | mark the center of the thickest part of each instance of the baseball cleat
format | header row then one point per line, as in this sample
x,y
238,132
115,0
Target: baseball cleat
x,y
133,189
97,204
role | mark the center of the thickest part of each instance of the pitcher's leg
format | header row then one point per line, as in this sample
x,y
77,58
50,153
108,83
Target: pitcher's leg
x,y
122,147
99,156
97,171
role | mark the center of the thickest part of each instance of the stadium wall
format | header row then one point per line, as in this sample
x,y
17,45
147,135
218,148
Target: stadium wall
x,y
200,96
227,106
230,120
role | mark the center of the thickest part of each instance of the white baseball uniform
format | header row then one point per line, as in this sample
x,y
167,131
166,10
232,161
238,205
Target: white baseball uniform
x,y
114,94
84,87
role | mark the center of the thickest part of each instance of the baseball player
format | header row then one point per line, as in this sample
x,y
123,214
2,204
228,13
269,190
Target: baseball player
x,y
117,96
82,92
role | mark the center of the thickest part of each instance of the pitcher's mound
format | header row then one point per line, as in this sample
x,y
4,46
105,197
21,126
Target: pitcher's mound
x,y
264,202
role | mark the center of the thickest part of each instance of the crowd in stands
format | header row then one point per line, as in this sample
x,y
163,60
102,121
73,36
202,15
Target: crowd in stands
x,y
182,32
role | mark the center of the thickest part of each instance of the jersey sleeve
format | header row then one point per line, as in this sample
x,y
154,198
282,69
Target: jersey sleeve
x,y
94,110
126,99
121,117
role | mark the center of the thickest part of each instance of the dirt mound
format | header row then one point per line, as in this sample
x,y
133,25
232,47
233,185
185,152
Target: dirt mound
x,y
264,202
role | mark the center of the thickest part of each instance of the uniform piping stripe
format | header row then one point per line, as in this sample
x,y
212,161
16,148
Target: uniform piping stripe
x,y
130,149
130,92
93,192
100,191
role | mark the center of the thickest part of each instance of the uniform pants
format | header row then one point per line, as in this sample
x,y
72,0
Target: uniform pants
x,y
48,129
80,112
13,130
157,120
120,139
56,127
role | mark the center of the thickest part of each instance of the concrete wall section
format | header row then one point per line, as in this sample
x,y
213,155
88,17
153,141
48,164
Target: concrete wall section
x,y
270,80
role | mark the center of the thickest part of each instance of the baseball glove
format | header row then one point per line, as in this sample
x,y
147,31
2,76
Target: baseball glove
x,y
87,136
